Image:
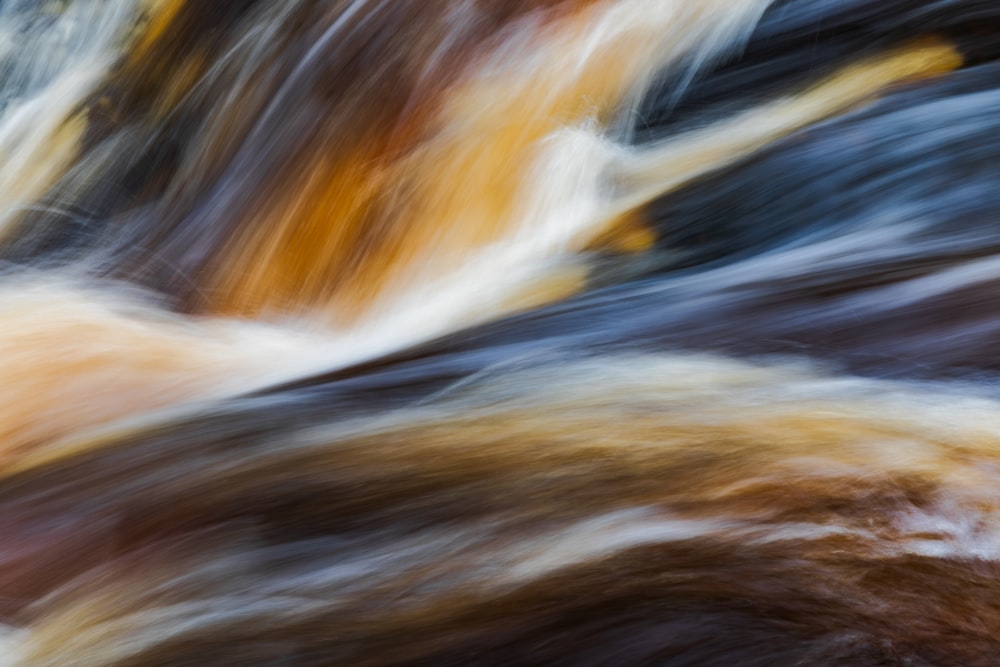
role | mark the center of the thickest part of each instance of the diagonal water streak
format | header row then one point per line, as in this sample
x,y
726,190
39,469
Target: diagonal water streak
x,y
52,55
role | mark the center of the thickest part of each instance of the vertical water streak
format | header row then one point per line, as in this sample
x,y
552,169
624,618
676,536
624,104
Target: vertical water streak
x,y
507,174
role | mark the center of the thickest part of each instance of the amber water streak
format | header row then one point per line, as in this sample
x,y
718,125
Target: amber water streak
x,y
73,359
462,169
622,478
513,174
558,479
581,189
458,180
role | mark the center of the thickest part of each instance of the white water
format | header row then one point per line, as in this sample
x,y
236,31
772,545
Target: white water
x,y
52,55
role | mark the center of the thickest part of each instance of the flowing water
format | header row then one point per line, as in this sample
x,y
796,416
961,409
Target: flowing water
x,y
499,332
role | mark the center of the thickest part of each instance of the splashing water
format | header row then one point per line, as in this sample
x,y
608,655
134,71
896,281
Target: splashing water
x,y
526,332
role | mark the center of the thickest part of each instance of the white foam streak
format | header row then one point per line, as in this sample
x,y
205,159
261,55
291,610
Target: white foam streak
x,y
567,193
11,642
53,57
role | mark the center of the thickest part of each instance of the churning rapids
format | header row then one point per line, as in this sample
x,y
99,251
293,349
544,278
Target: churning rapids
x,y
499,332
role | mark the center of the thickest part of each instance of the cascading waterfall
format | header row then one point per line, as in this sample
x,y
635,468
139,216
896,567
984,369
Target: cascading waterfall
x,y
481,332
